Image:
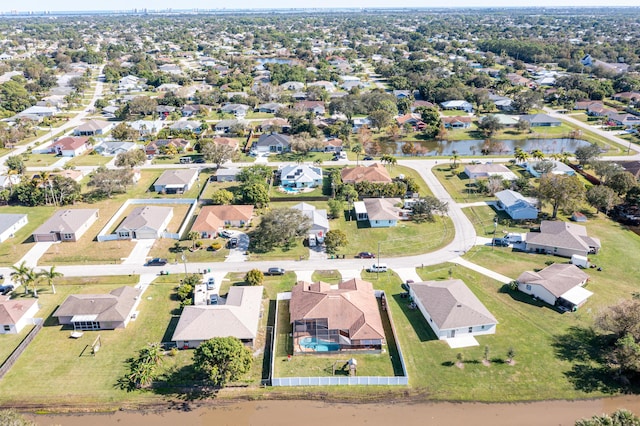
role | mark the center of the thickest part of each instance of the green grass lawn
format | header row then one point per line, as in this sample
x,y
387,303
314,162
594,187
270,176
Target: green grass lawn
x,y
483,217
12,250
310,157
90,160
330,276
41,160
395,171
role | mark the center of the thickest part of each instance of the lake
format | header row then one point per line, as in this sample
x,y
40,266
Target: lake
x,y
262,61
486,147
319,413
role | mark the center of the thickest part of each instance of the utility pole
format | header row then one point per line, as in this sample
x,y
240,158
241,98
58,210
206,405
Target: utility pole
x,y
378,268
184,260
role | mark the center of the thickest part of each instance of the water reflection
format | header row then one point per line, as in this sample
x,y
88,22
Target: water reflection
x,y
485,147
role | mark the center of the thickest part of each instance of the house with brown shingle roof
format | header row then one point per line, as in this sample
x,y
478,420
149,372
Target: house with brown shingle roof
x,y
176,181
329,318
375,173
99,311
92,128
66,225
451,309
214,218
559,284
70,146
380,212
230,142
238,317
16,314
562,239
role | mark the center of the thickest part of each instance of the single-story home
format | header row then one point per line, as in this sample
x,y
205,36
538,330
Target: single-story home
x,y
239,110
158,146
270,108
380,212
316,107
230,142
66,225
10,224
458,122
93,128
225,126
186,126
70,146
227,175
451,309
559,284
212,219
375,173
113,148
482,171
328,319
273,142
145,127
332,145
146,222
176,181
541,120
276,124
99,311
239,317
516,205
562,239
293,86
559,168
457,104
16,314
300,176
319,221
39,111
8,181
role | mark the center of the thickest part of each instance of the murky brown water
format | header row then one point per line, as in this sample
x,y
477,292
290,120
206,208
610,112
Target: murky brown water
x,y
311,413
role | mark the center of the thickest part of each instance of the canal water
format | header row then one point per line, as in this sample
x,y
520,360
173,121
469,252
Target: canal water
x,y
486,147
316,413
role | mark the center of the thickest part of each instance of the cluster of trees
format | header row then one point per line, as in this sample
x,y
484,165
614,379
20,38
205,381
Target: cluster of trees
x,y
254,186
27,277
143,368
222,360
279,228
107,182
44,190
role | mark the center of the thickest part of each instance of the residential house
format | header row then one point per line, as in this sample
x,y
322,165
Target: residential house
x,y
457,105
458,122
273,143
159,146
171,69
561,239
165,110
230,142
270,108
275,125
39,112
451,309
168,87
501,102
239,317
329,319
70,146
316,107
518,80
516,206
239,110
359,122
146,128
402,94
559,168
326,85
227,174
10,224
146,222
375,173
484,171
212,219
131,83
99,311
176,181
190,110
228,125
8,181
111,149
300,176
632,167
93,128
414,120
332,145
294,86
380,212
541,120
66,225
629,97
188,126
417,104
559,284
319,221
16,314
75,175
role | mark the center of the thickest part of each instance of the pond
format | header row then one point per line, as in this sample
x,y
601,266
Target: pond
x,y
262,61
486,147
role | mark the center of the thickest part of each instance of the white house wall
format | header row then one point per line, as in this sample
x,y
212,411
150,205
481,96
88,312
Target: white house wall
x,y
538,291
13,229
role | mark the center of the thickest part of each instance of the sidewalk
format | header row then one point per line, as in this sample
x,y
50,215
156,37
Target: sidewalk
x,y
482,270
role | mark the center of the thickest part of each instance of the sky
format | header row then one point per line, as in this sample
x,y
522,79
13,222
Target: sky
x,y
65,5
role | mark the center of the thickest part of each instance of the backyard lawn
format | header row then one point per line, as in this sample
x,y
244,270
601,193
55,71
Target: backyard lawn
x,y
12,250
41,160
89,160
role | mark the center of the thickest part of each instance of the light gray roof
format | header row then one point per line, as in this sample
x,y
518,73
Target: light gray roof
x,y
300,173
176,177
451,304
152,217
382,208
273,139
115,306
557,278
563,235
67,221
318,216
8,220
238,317
539,119
93,125
511,198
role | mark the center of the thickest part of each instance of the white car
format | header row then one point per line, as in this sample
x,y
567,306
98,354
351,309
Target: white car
x,y
211,284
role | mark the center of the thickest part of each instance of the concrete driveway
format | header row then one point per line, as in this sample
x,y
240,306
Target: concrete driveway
x,y
140,252
238,254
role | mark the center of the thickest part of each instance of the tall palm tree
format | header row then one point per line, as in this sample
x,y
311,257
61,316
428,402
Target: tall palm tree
x,y
193,236
521,156
388,159
537,154
357,149
25,275
454,159
50,275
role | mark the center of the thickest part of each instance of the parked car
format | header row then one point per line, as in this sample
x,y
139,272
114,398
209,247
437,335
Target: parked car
x,y
377,267
199,160
157,261
500,242
275,271
6,289
366,255
368,158
226,234
213,299
233,243
211,283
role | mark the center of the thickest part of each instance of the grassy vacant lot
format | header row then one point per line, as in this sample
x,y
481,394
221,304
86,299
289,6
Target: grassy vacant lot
x,y
14,248
163,247
88,252
482,218
41,160
460,187
395,171
90,160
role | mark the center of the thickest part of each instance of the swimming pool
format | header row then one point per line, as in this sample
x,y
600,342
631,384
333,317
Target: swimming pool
x,y
318,345
289,190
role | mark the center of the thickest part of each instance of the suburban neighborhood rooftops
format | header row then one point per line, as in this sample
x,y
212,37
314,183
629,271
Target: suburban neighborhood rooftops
x,y
11,311
557,278
376,172
176,177
66,221
383,208
214,217
146,216
114,306
451,304
564,235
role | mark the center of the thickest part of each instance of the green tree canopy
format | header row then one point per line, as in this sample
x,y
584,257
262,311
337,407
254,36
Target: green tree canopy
x,y
222,360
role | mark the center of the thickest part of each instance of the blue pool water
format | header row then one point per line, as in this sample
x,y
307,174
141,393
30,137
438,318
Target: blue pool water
x,y
318,345
289,190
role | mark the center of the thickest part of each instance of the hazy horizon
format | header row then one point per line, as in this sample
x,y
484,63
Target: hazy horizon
x,y
81,5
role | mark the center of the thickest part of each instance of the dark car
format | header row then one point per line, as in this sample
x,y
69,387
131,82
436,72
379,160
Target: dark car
x,y
368,158
199,160
6,289
366,255
157,261
233,243
275,271
500,242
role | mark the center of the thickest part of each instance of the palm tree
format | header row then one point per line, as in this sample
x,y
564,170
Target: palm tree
x,y
537,154
521,156
454,159
388,160
25,275
50,275
193,236
357,149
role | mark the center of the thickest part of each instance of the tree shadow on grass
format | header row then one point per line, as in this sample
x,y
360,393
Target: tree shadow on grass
x,y
588,351
184,383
